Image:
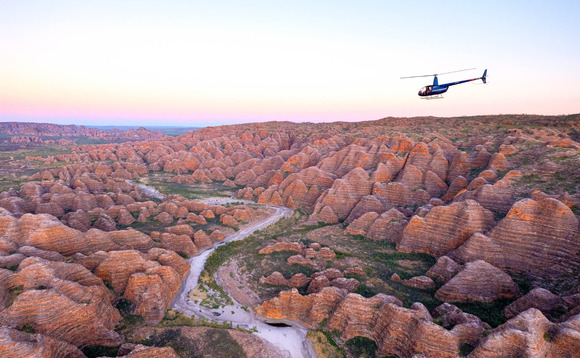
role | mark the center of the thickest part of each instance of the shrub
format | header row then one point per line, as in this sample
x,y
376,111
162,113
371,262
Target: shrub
x,y
361,347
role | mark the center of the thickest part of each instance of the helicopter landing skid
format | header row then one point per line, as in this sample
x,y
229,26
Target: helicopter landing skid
x,y
435,96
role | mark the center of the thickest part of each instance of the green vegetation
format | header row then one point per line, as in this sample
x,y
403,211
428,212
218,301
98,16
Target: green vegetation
x,y
15,169
28,329
465,349
366,291
174,318
525,283
149,226
474,172
361,347
235,203
13,292
322,346
498,215
380,259
249,245
11,182
160,181
488,312
222,254
331,335
18,151
207,343
100,351
246,252
216,296
129,321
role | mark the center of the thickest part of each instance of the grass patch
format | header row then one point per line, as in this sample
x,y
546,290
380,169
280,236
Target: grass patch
x,y
174,318
149,226
23,150
488,312
465,349
330,336
28,329
129,322
361,347
100,351
322,346
498,215
216,296
160,181
13,292
366,291
209,343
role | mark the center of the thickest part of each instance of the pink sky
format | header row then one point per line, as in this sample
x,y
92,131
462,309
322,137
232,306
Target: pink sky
x,y
188,64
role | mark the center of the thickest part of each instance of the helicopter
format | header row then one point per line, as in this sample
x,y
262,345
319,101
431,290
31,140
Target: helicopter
x,y
436,90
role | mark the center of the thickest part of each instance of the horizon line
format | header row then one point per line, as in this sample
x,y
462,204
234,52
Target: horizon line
x,y
236,122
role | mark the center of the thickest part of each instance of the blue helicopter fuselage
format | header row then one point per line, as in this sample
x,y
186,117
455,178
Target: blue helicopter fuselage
x,y
436,88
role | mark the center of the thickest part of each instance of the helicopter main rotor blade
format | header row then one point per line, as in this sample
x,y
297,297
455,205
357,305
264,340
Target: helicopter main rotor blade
x,y
418,76
467,69
437,74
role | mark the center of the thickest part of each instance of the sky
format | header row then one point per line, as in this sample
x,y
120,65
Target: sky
x,y
197,63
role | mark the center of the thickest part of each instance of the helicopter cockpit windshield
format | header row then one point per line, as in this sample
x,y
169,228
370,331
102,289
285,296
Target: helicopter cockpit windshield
x,y
425,91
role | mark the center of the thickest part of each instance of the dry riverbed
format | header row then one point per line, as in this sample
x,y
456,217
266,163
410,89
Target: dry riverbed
x,y
196,298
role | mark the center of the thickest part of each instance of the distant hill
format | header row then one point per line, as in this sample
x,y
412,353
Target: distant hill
x,y
35,131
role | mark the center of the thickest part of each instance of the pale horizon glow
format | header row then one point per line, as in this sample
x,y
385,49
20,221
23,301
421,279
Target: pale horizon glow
x,y
194,64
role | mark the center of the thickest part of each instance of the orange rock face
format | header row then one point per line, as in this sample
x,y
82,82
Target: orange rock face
x,y
540,237
539,298
63,301
309,310
14,343
46,233
282,246
495,197
396,330
300,260
345,193
229,220
152,291
355,316
444,269
202,240
420,282
275,279
445,228
530,334
179,243
141,351
478,282
148,280
361,225
389,226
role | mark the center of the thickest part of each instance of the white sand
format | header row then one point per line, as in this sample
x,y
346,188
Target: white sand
x,y
147,190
